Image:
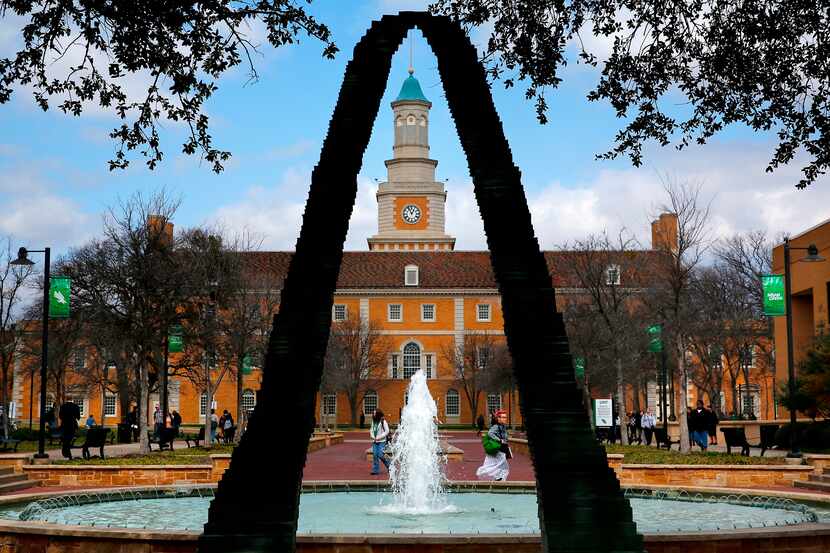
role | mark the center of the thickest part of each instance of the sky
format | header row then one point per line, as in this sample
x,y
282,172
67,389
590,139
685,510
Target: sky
x,y
55,184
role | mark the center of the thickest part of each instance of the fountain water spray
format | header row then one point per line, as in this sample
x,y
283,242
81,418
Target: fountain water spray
x,y
417,468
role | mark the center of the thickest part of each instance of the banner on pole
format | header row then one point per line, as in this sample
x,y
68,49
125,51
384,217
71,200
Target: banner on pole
x,y
59,289
175,339
579,368
603,409
247,364
774,300
655,338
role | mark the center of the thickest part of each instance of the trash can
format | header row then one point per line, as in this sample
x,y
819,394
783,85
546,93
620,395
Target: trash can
x,y
124,433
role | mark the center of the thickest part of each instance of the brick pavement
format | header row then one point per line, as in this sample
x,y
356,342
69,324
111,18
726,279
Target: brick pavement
x,y
347,461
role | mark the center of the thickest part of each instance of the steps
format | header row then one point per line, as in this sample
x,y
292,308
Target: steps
x,y
11,481
817,482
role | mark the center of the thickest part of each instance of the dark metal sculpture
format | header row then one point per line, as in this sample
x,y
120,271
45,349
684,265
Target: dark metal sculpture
x,y
581,508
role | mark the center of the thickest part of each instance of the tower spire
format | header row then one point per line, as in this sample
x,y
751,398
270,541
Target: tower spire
x,y
411,48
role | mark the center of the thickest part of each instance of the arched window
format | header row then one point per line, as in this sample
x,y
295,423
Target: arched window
x,y
452,407
370,403
411,359
248,401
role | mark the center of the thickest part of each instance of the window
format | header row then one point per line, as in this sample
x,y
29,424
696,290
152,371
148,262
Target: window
x,y
493,402
395,312
411,359
248,401
612,275
428,312
339,312
109,405
202,404
79,359
428,364
483,312
393,362
370,403
79,401
452,407
483,357
411,275
329,405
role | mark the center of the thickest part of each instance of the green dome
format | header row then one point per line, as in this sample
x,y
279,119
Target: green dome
x,y
411,90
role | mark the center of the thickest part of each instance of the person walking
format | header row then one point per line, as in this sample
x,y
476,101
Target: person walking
x,y
228,428
176,420
698,425
497,451
132,420
713,426
158,421
480,424
69,414
648,423
379,433
90,421
214,424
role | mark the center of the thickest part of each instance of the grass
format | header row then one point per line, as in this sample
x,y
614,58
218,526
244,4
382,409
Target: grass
x,y
645,455
184,456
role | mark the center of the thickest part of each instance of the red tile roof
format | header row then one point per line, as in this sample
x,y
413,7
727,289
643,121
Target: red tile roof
x,y
458,269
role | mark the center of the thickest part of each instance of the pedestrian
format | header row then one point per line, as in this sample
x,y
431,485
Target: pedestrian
x,y
228,428
221,427
69,414
480,424
378,433
648,425
90,421
176,420
132,420
497,451
698,425
51,420
713,426
362,420
638,426
214,424
158,420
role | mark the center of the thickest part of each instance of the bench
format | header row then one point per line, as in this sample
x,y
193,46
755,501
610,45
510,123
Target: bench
x,y
200,437
661,438
768,432
736,437
95,437
164,438
7,443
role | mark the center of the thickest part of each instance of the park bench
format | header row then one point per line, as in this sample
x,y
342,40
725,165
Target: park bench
x,y
200,437
95,437
164,438
768,432
9,443
661,438
736,437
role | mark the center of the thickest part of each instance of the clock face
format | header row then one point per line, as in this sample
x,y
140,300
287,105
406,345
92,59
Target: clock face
x,y
411,214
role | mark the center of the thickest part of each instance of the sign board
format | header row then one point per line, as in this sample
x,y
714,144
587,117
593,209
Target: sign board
x,y
175,340
12,410
603,412
774,300
579,368
59,288
247,364
655,338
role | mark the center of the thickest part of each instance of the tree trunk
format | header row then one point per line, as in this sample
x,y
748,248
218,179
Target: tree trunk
x,y
5,379
353,409
621,402
123,392
239,389
734,379
143,401
685,444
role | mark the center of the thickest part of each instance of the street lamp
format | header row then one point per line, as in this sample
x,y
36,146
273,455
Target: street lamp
x,y
812,257
23,259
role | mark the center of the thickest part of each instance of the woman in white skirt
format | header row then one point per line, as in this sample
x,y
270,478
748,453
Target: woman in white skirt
x,y
497,452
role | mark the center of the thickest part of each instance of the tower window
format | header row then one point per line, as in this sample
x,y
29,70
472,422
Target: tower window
x,y
411,275
410,120
483,312
395,312
428,312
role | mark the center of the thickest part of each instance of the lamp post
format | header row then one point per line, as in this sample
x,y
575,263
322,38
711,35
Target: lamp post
x,y
23,259
812,256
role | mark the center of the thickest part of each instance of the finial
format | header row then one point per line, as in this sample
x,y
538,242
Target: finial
x,y
411,48
411,70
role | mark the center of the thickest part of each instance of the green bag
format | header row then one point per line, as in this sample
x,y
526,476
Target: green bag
x,y
491,445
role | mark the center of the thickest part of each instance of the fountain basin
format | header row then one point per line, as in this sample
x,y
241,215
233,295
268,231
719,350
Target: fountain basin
x,y
34,536
451,452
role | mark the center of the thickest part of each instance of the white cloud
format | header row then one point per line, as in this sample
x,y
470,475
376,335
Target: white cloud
x,y
275,212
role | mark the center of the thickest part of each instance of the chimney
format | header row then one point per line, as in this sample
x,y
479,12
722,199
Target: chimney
x,y
160,227
664,232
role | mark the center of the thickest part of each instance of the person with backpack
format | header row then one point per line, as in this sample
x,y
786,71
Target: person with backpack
x,y
496,451
379,432
228,427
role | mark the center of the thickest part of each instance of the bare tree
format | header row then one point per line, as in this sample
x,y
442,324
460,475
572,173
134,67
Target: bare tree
x,y
471,359
499,376
13,281
674,275
356,360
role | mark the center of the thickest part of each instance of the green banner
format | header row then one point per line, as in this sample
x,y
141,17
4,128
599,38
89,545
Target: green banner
x,y
774,300
59,289
175,339
579,367
247,364
655,338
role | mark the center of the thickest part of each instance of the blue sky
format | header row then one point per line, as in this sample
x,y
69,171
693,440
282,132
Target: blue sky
x,y
55,185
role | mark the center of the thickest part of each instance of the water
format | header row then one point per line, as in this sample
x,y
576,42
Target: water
x,y
476,512
416,471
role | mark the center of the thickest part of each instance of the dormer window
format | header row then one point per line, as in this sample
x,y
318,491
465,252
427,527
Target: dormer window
x,y
411,275
612,275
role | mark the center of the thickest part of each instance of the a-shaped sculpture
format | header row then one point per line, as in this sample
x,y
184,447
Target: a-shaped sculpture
x,y
581,508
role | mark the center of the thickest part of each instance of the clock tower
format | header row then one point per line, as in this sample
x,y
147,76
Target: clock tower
x,y
411,202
